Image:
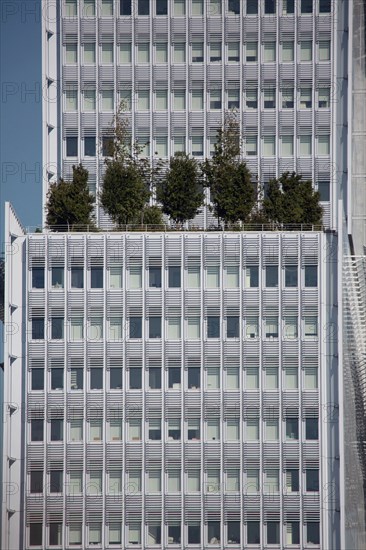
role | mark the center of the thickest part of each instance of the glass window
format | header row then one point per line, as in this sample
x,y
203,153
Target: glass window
x,y
38,328
37,379
233,52
197,52
89,53
75,482
288,98
193,429
96,277
290,328
197,7
89,146
215,51
287,51
155,429
95,533
194,327
70,8
38,277
272,430
115,482
174,328
213,532
96,378
305,146
194,276
95,430
56,481
96,328
252,483
107,100
36,430
161,7
234,7
154,327
232,378
232,325
252,276
311,276
197,100
135,378
324,145
125,52
324,50
306,50
269,52
57,277
161,146
213,429
135,429
273,532
174,429
57,429
271,327
154,481
252,327
269,101
252,431
293,532
292,481
134,533
287,146
271,481
179,7
324,6
252,52
251,146
197,146
135,277
179,104
253,532
312,480
77,277
311,428
71,146
215,99
135,327
272,275
213,378
143,7
76,378
125,7
213,327
35,534
252,7
115,533
233,481
75,533
194,378
232,429
71,100
324,190
271,379
36,481
233,532
306,6
312,532
269,146
292,428
174,378
311,326
232,276
77,328
291,275
291,378
115,277
194,483
76,430
57,379
194,533
154,534
288,7
115,328
90,101
213,276
269,6
161,100
174,276
179,53
154,378
107,8
71,53
306,98
115,378
233,100
311,378
107,52
57,328
174,534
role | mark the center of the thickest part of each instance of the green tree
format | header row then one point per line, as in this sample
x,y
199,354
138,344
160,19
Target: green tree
x,y
152,215
180,190
128,175
70,204
232,193
292,200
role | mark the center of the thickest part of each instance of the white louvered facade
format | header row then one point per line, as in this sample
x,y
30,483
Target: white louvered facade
x,y
204,430
273,61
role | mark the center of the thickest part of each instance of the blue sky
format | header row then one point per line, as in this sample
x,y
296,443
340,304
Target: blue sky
x,y
21,110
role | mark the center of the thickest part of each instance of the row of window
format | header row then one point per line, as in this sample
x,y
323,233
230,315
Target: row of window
x,y
172,277
213,325
198,53
270,146
214,481
251,428
174,532
141,99
196,7
174,378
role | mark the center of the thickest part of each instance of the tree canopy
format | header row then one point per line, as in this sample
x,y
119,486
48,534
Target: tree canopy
x,y
228,177
180,190
70,204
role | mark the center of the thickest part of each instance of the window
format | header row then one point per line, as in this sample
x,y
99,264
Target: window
x,y
143,7
125,7
324,6
215,51
57,379
36,430
232,378
324,50
287,146
269,6
71,53
107,100
271,327
215,99
161,7
213,327
89,147
251,146
251,52
252,276
35,534
90,101
57,328
95,430
306,50
95,533
115,531
291,378
232,325
161,100
174,276
134,481
71,100
252,484
273,532
197,146
115,429
115,482
269,52
233,532
155,429
232,276
197,52
77,277
271,379
291,275
154,378
174,378
107,53
135,378
311,326
311,276
272,275
76,378
233,100
324,190
179,104
75,482
125,52
272,430
194,533
37,379
233,50
57,429
194,277
154,534
134,533
213,532
253,532
324,145
252,431
252,7
271,481
252,327
292,481
197,7
135,277
174,328
306,6
154,481
232,429
293,532
213,429
89,54
288,98
269,146
194,483
57,277
179,53
305,98
312,532
312,480
96,378
194,378
36,481
115,277
197,100
179,144
305,146
71,146
288,7
154,327
56,481
107,8
174,429
161,146
290,328
311,429
213,378
95,328
96,277
77,328
155,277
38,328
135,327
233,481
38,277
76,430
174,534
115,378
193,429
311,378
269,99
213,276
75,533
292,428
70,8
287,51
